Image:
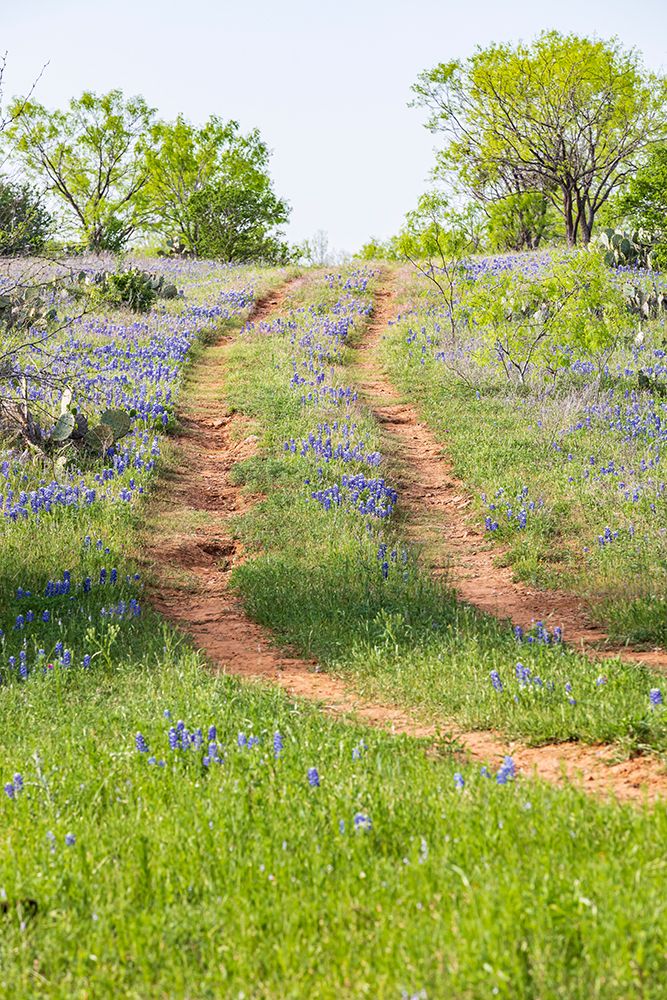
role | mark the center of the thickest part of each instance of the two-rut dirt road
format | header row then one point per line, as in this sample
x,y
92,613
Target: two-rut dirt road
x,y
193,550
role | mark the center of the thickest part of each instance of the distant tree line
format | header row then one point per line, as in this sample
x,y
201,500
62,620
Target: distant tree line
x,y
106,171
542,141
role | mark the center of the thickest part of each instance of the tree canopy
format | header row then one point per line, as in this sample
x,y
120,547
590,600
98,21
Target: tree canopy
x,y
184,159
25,222
91,155
643,203
568,117
238,224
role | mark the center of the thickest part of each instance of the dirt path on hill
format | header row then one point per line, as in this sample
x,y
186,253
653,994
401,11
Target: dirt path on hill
x,y
436,501
192,551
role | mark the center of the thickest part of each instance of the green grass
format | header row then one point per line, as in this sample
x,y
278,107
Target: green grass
x,y
208,882
503,436
236,879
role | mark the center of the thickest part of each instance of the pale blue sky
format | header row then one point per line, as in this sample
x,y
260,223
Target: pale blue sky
x,y
327,83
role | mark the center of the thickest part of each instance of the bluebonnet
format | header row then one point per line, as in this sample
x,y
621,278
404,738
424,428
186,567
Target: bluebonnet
x,y
140,743
362,822
313,777
136,367
506,772
496,681
277,744
655,697
459,780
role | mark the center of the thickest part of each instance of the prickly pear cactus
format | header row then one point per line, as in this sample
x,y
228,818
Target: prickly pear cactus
x,y
99,439
621,249
118,421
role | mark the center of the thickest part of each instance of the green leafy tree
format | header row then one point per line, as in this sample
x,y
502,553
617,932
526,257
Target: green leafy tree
x,y
643,202
184,160
91,157
25,223
568,117
437,230
432,232
379,250
521,221
238,224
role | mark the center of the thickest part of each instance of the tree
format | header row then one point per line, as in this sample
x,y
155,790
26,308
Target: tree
x,y
91,156
568,117
379,250
520,221
316,250
435,228
24,221
643,203
237,224
183,160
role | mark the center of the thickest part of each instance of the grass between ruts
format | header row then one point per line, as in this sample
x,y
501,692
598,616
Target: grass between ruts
x,y
316,578
121,877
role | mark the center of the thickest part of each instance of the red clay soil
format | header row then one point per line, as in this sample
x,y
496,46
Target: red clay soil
x,y
435,502
193,549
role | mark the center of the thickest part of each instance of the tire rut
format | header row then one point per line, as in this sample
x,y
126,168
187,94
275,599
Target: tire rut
x,y
435,502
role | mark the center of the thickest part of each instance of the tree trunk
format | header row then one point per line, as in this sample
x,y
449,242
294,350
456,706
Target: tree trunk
x,y
568,215
587,219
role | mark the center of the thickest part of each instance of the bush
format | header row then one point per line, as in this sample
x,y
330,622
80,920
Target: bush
x,y
521,222
134,288
237,225
25,223
529,319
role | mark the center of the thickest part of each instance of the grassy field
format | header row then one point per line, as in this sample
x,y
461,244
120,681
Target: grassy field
x,y
566,469
296,856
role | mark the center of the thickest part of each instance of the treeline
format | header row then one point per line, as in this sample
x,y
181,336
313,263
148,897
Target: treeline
x,y
542,142
105,171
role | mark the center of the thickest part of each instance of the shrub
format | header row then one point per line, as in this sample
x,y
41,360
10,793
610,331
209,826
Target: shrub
x,y
134,288
25,223
236,224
